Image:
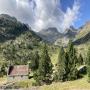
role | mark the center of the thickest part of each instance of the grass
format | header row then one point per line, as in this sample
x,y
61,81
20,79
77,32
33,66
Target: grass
x,y
80,84
54,56
24,83
3,80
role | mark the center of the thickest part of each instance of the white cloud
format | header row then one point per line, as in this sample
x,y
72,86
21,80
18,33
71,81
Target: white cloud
x,y
47,14
71,16
40,14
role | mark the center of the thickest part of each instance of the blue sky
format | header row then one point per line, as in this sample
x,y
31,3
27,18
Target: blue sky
x,y
41,14
84,12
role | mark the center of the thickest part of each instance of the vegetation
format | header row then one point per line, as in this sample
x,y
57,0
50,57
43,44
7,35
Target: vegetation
x,y
80,84
20,45
80,60
3,71
61,66
88,64
43,74
72,57
35,61
17,41
67,62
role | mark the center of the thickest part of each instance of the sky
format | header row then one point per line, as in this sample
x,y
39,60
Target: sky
x,y
41,14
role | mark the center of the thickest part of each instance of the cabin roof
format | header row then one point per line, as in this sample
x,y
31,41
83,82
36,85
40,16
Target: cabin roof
x,y
18,70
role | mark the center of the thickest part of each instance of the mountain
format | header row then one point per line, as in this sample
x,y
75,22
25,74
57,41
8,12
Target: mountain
x,y
83,35
10,28
68,34
79,36
17,40
50,34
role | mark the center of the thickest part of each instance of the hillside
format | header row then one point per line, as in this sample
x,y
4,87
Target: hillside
x,y
84,30
80,36
10,28
68,34
83,35
17,40
18,44
50,34
80,84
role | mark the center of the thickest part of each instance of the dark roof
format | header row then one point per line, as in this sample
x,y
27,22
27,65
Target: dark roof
x,y
18,70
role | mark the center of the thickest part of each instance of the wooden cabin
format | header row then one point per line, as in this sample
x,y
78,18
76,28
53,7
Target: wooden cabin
x,y
17,73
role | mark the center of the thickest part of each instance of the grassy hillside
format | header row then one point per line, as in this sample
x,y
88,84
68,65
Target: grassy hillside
x,y
18,43
83,35
17,40
80,84
84,30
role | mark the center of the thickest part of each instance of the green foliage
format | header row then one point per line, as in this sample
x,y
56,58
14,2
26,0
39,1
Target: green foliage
x,y
72,74
35,61
44,71
61,66
88,64
67,62
17,40
19,51
3,71
80,60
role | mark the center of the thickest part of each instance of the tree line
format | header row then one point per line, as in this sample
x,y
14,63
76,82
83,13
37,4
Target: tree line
x,y
66,68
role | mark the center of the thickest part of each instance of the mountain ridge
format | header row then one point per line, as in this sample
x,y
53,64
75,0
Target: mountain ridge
x,y
52,35
83,35
17,40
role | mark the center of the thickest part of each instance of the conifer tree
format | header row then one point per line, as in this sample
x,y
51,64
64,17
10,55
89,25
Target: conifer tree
x,y
61,70
72,74
80,60
67,65
35,61
43,75
88,64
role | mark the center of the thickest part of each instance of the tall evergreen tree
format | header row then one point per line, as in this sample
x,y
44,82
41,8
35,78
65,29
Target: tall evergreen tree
x,y
35,61
88,64
72,74
44,72
61,70
80,60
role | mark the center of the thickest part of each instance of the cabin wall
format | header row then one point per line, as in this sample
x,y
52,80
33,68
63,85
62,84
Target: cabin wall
x,y
16,78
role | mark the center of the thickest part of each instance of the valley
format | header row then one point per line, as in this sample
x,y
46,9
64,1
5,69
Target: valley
x,y
20,45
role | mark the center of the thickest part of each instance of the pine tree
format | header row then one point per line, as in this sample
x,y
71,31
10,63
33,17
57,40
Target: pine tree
x,y
80,60
61,70
88,64
35,61
67,65
43,75
72,74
